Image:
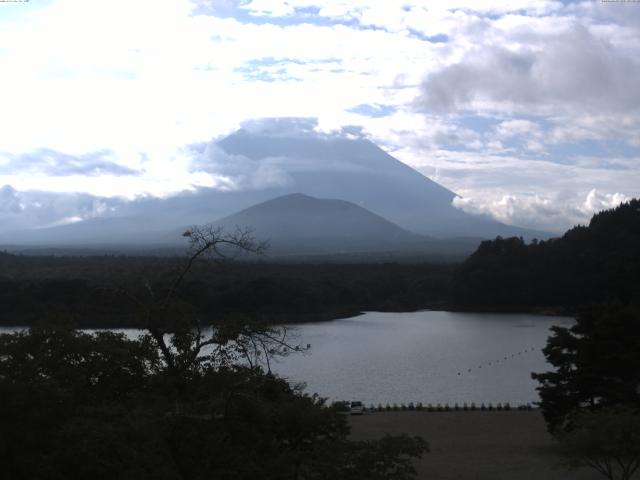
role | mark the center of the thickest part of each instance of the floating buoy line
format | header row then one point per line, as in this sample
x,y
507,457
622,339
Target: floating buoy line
x,y
501,360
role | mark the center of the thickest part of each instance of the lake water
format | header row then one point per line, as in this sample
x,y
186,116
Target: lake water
x,y
427,356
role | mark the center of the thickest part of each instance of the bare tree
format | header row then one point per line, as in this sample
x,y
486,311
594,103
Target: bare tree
x,y
183,342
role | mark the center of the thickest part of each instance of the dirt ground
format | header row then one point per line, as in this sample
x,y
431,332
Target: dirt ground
x,y
477,445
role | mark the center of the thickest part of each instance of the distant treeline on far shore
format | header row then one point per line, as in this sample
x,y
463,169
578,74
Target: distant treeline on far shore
x,y
588,265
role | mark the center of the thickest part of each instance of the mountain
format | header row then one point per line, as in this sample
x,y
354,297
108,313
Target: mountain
x,y
596,263
300,224
260,167
265,166
130,230
359,171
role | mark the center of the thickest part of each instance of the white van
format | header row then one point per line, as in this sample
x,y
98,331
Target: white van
x,y
357,408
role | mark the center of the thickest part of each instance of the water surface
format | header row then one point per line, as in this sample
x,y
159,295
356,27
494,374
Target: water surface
x,y
427,356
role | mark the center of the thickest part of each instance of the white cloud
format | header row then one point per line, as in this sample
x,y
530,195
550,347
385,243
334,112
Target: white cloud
x,y
551,213
237,172
597,201
144,79
575,71
19,210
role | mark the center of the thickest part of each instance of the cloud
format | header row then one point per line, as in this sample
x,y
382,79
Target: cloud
x,y
9,201
282,126
237,172
570,72
375,110
34,209
529,133
597,201
46,161
556,79
326,151
552,213
507,186
389,15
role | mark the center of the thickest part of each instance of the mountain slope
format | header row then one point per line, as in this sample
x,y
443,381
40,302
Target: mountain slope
x,y
134,230
299,223
360,172
261,167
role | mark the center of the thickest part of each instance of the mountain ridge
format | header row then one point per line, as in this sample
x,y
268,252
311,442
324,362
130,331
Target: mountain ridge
x,y
298,223
361,172
325,167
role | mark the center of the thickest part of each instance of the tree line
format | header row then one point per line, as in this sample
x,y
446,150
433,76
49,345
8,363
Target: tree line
x,y
91,288
590,399
175,403
587,265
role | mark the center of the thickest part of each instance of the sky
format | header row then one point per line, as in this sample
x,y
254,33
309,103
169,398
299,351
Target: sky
x,y
528,110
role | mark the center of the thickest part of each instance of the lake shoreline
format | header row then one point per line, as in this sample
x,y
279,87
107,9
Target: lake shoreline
x,y
426,356
288,318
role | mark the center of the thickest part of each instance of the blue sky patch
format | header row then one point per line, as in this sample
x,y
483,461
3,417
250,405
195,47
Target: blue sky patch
x,y
375,110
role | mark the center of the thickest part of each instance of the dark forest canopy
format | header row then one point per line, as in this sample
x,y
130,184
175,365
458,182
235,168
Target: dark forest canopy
x,y
176,402
92,289
587,265
101,406
595,365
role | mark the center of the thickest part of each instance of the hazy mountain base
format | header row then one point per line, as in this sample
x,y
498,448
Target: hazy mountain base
x,y
358,171
294,225
263,167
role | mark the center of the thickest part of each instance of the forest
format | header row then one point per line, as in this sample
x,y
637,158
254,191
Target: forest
x,y
97,290
179,403
587,265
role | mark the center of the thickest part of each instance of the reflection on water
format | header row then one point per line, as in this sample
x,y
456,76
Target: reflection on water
x,y
429,357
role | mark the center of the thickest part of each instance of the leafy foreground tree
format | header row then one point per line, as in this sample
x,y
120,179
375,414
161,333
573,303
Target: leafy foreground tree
x,y
179,402
596,365
591,402
607,440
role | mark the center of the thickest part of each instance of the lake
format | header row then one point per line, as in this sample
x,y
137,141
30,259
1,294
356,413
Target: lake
x,y
427,356
424,356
